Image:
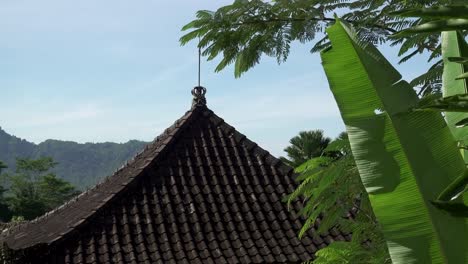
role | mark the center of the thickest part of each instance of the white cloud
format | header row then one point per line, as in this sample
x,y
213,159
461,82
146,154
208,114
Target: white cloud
x,y
59,117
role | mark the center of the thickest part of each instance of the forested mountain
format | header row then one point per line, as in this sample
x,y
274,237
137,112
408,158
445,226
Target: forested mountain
x,y
82,165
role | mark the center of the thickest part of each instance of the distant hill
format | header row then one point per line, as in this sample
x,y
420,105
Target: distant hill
x,y
81,164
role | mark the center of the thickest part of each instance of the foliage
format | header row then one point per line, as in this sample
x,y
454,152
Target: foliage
x,y
454,53
305,146
458,10
24,200
83,165
435,19
406,158
351,253
334,195
247,29
17,219
5,212
455,85
34,190
454,103
402,155
55,191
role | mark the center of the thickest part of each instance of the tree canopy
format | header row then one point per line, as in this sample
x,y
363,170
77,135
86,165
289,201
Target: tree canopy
x,y
247,29
33,189
305,146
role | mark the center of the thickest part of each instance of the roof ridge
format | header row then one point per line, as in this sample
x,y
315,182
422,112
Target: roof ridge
x,y
157,145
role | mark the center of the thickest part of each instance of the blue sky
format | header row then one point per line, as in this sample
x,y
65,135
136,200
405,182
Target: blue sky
x,y
96,71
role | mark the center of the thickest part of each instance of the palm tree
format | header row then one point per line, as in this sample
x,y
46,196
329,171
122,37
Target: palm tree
x,y
306,145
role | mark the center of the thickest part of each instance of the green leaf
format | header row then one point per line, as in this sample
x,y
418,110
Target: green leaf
x,y
190,25
312,164
454,103
329,188
462,123
455,209
340,144
190,36
454,45
455,189
435,26
279,23
462,60
204,14
434,12
405,158
462,76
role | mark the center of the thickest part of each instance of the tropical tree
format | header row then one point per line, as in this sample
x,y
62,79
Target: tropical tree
x,y
305,146
54,191
34,190
24,200
247,29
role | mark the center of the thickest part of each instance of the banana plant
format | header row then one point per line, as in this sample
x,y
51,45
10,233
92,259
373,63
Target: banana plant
x,y
455,83
405,158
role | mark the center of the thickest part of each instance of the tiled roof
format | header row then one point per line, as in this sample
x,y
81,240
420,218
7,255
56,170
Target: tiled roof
x,y
200,193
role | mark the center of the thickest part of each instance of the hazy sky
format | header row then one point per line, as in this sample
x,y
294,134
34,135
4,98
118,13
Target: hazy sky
x,y
95,71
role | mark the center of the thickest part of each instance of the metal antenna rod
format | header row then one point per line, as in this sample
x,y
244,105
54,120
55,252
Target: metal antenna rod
x,y
199,62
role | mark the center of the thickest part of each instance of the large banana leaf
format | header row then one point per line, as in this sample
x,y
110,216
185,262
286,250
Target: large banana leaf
x,y
405,158
454,45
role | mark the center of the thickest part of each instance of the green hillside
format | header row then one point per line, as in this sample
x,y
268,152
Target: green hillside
x,y
83,165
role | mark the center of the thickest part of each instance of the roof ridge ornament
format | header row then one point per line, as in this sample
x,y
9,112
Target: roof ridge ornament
x,y
199,99
199,91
